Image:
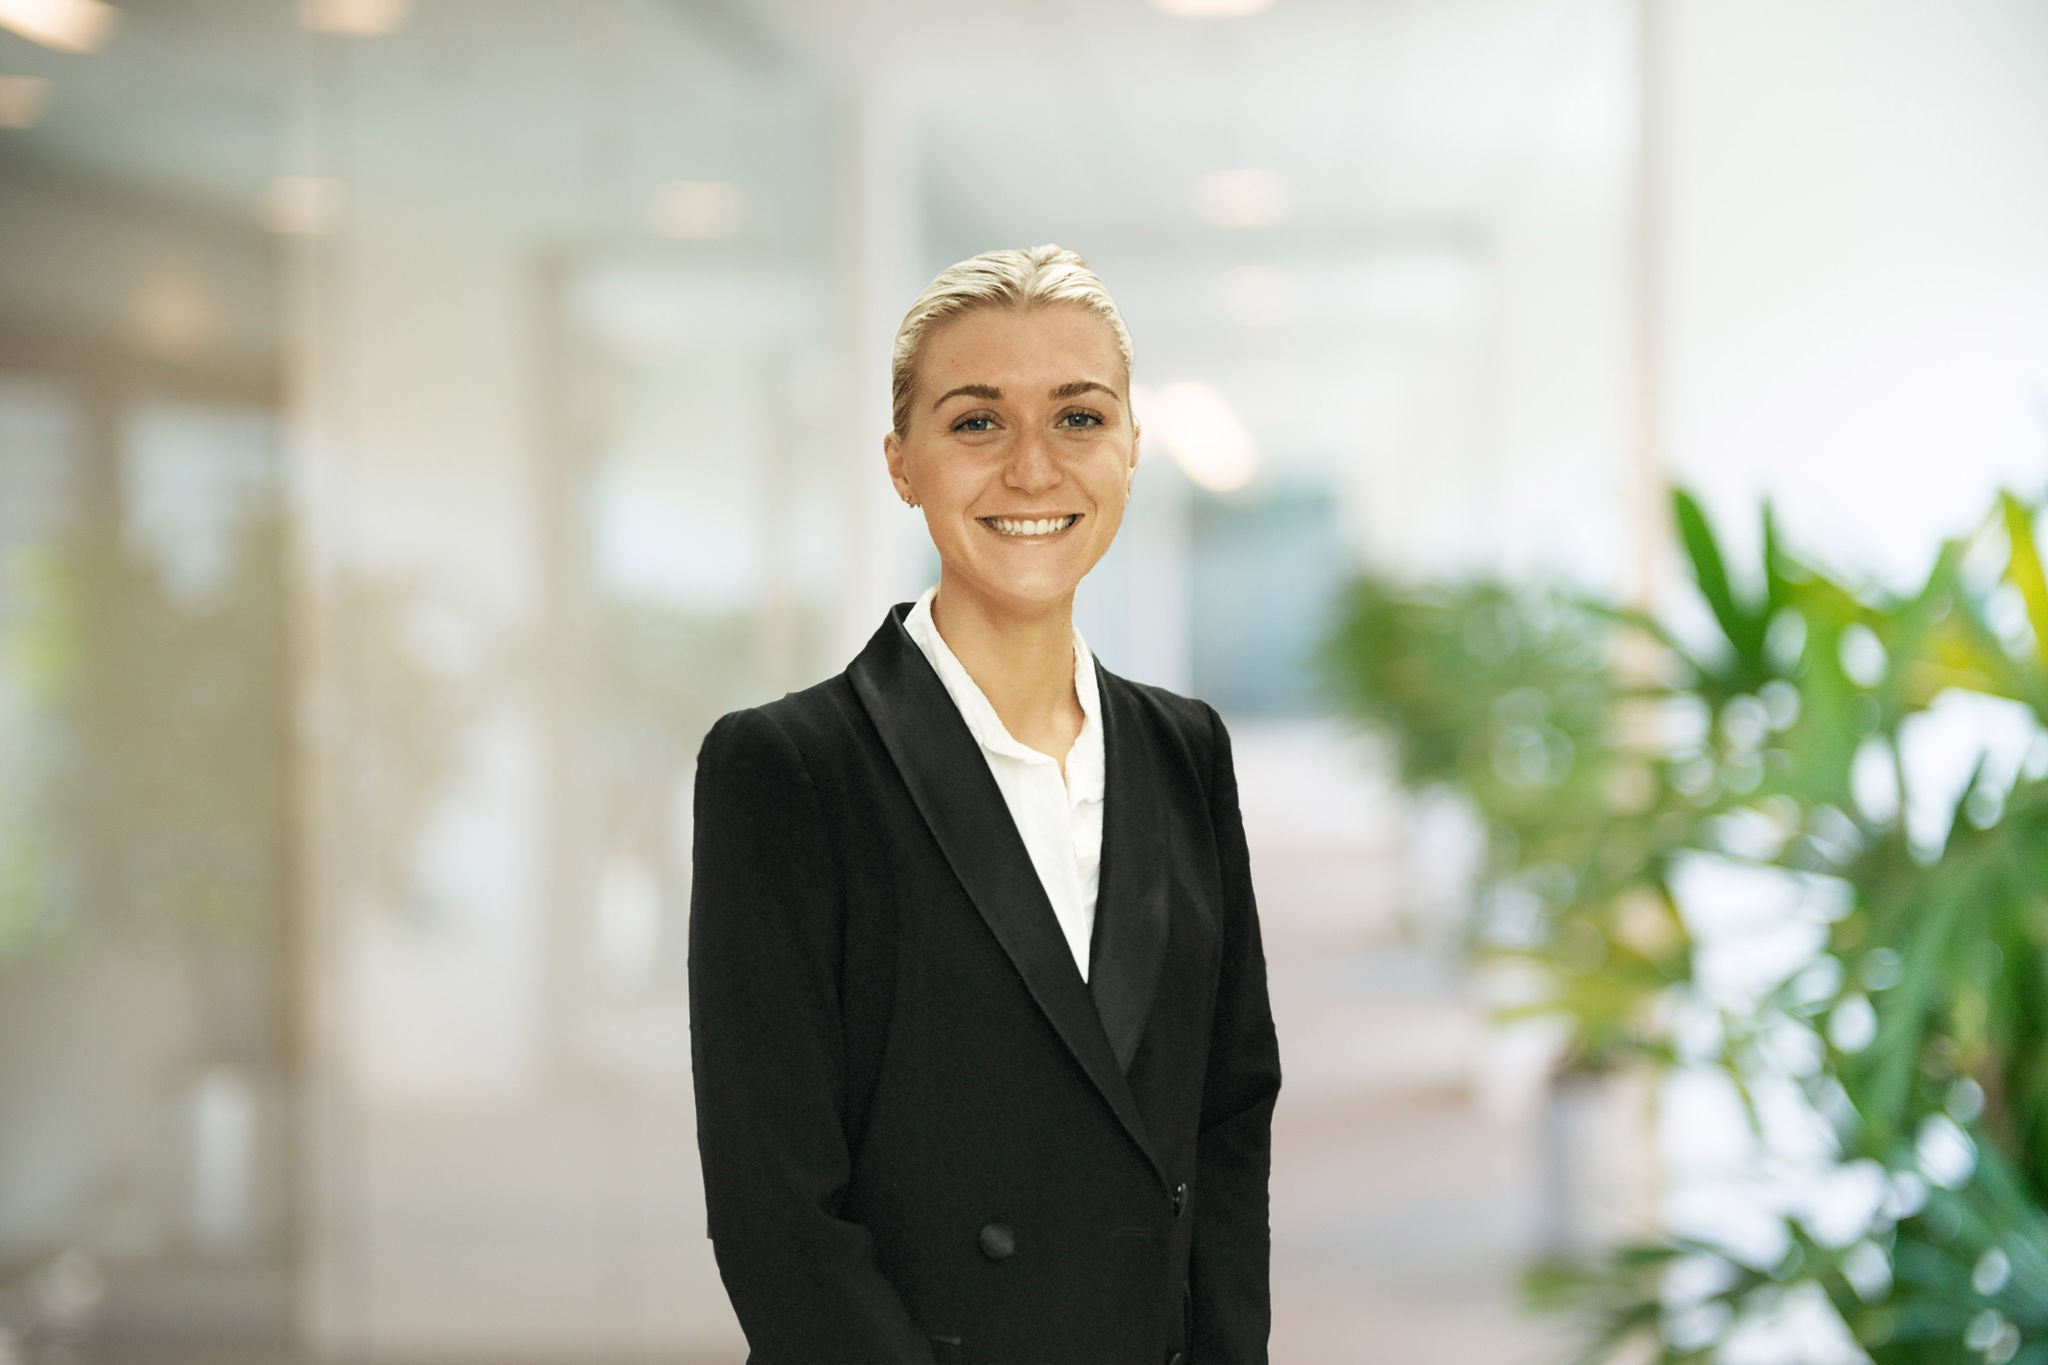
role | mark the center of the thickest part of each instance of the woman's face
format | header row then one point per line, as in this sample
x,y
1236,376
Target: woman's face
x,y
1018,418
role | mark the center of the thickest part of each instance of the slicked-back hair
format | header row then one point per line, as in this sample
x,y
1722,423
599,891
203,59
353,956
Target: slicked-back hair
x,y
997,279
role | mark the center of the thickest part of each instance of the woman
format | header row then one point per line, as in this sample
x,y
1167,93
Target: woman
x,y
984,1063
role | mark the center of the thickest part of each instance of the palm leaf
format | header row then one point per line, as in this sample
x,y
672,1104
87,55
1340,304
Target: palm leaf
x,y
2023,569
1744,630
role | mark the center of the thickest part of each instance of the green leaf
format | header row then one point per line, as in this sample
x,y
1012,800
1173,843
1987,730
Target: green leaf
x,y
2023,569
1778,588
1710,572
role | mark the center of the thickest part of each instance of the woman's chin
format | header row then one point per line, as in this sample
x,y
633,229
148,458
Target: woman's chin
x,y
1032,591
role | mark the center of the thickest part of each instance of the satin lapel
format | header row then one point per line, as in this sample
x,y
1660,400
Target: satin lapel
x,y
949,780
1130,904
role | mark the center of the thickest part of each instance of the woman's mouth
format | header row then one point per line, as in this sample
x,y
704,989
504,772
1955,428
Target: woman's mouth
x,y
1028,528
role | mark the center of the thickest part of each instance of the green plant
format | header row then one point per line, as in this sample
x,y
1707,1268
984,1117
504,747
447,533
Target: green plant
x,y
147,739
146,793
1607,753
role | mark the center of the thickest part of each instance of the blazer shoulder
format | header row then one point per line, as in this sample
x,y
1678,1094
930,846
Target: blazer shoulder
x,y
1192,722
811,720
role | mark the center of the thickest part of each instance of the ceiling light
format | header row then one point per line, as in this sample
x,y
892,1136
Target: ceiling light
x,y
358,18
698,208
303,205
1203,433
21,100
69,25
1244,198
1211,9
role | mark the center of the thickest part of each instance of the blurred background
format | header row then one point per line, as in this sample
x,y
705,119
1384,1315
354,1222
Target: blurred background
x,y
419,419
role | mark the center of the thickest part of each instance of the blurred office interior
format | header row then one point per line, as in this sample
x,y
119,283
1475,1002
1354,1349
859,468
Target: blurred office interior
x,y
419,419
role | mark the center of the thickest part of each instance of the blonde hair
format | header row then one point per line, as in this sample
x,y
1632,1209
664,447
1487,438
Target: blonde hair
x,y
1009,279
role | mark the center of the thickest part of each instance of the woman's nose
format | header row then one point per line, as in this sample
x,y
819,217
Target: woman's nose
x,y
1032,466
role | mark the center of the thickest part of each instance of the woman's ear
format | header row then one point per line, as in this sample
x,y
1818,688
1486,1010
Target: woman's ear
x,y
892,456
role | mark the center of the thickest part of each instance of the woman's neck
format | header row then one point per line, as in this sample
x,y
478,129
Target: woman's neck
x,y
1023,664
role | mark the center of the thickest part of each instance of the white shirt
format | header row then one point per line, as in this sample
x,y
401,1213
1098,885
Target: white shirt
x,y
1061,822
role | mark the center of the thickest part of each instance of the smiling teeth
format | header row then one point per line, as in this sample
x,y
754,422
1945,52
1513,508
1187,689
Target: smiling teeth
x,y
1042,526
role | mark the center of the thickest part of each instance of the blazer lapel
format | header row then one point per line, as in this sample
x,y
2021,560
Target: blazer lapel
x,y
1130,905
957,795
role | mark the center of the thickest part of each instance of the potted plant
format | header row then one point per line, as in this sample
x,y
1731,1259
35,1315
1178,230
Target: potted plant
x,y
1619,764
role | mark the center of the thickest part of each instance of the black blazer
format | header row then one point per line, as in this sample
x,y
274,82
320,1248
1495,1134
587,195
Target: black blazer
x,y
924,1137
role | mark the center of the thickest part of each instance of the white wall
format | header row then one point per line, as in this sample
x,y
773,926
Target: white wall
x,y
1856,264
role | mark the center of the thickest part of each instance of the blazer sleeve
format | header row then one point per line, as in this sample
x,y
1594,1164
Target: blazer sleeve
x,y
1228,1272
767,1057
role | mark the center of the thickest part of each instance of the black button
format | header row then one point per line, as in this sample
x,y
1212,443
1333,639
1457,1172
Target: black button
x,y
998,1241
1180,1199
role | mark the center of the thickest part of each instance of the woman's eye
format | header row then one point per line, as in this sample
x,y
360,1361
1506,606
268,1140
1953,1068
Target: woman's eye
x,y
974,424
1080,419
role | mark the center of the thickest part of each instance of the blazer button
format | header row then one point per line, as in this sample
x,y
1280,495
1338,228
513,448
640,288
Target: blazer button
x,y
998,1241
1180,1198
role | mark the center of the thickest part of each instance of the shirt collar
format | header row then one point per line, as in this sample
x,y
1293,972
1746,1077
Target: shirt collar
x,y
1084,760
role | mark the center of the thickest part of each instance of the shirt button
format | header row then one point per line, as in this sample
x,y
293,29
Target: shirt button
x,y
998,1241
1180,1198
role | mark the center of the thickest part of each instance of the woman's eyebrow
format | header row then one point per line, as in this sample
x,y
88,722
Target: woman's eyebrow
x,y
986,392
989,393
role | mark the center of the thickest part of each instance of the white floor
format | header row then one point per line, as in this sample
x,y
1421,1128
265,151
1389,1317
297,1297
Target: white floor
x,y
1404,1186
